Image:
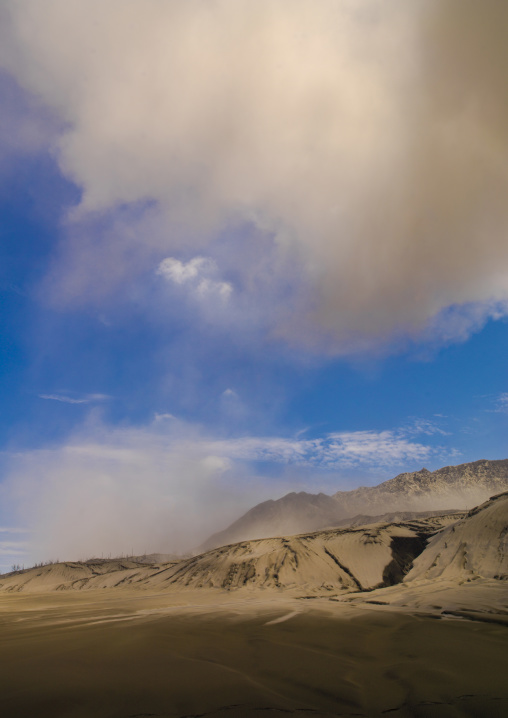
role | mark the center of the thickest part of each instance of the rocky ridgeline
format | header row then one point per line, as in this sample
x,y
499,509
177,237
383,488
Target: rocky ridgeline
x,y
450,488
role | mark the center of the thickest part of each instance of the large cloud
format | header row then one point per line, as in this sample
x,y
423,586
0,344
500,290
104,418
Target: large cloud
x,y
369,138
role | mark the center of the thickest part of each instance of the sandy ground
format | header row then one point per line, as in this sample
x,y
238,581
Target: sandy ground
x,y
132,654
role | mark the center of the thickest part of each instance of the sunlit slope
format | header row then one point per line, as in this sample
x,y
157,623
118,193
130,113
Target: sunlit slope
x,y
476,546
341,560
337,559
76,576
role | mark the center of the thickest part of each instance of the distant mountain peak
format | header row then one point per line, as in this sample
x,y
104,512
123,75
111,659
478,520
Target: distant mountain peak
x,y
451,487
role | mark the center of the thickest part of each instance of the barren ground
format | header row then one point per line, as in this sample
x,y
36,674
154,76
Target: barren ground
x,y
129,653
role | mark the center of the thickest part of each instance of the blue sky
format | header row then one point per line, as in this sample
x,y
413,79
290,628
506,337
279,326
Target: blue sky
x,y
239,256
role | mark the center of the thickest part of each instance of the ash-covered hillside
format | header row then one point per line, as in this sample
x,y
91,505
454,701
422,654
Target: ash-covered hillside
x,y
456,547
450,488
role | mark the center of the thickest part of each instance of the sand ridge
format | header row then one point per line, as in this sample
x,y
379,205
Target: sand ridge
x,y
477,545
355,559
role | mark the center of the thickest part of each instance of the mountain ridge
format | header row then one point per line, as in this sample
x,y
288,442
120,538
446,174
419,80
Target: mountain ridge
x,y
449,488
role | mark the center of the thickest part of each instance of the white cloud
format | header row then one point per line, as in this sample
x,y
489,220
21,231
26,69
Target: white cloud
x,y
208,286
230,394
197,274
334,451
86,399
502,403
425,426
370,139
63,399
181,272
163,417
383,448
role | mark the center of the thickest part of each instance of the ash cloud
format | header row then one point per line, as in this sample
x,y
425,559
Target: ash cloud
x,y
369,139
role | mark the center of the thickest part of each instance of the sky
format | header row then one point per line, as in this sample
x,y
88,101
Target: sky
x,y
246,248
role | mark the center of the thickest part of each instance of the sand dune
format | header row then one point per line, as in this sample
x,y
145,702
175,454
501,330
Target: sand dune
x,y
340,560
70,575
452,546
476,546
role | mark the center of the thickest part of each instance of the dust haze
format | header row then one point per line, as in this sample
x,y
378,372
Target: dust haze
x,y
167,486
123,492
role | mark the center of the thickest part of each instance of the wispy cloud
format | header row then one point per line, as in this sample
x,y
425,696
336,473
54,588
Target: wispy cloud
x,y
424,426
10,530
163,417
230,394
502,404
334,451
85,399
199,275
14,548
497,404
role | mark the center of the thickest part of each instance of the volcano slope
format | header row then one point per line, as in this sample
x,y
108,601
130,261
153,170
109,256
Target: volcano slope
x,y
340,560
462,572
476,546
230,633
79,575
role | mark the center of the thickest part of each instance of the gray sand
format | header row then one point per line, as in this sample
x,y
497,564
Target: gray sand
x,y
210,653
